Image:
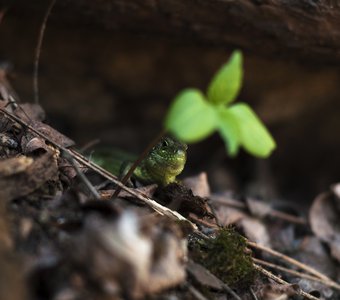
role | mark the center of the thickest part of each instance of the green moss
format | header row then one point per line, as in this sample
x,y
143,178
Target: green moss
x,y
227,257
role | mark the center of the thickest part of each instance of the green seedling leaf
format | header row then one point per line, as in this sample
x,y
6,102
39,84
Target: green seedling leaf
x,y
190,117
229,131
253,135
226,84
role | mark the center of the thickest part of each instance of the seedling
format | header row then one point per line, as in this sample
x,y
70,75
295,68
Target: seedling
x,y
194,116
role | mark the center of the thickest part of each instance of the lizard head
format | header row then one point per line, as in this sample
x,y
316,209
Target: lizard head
x,y
167,159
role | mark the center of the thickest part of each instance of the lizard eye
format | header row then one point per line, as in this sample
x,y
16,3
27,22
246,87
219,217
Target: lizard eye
x,y
165,143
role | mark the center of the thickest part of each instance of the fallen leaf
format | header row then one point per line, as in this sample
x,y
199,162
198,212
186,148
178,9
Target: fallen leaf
x,y
258,208
203,276
53,134
33,175
324,221
135,262
198,184
255,231
275,291
14,165
31,110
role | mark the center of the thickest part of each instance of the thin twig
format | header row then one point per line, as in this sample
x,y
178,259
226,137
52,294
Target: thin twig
x,y
281,281
162,210
296,273
203,222
253,294
290,260
38,51
81,175
230,291
196,293
146,151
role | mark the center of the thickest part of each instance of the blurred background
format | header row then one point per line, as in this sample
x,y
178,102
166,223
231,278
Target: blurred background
x,y
109,69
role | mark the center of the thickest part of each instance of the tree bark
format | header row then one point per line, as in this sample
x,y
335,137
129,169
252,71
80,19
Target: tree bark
x,y
307,30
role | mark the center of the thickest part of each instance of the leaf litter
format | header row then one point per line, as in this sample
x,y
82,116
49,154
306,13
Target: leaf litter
x,y
59,242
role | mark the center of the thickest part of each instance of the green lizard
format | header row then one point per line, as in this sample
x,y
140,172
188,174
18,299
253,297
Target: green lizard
x,y
164,162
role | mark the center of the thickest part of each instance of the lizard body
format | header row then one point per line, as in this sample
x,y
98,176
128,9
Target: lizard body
x,y
164,162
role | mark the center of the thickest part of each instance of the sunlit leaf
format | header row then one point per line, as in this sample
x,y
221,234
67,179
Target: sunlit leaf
x,y
254,136
190,117
229,131
227,82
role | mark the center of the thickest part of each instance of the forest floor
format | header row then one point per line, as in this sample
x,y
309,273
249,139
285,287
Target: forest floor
x,y
64,236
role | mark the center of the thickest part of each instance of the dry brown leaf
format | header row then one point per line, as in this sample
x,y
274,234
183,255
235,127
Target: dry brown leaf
x,y
14,165
53,134
255,231
258,208
203,276
224,213
34,111
275,291
33,144
33,175
128,260
324,220
198,184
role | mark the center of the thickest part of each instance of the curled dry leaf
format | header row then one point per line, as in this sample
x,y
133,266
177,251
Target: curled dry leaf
x,y
124,260
324,221
33,144
32,175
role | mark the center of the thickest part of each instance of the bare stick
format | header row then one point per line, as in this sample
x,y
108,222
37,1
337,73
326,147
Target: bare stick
x,y
253,294
197,294
230,291
281,281
296,273
38,51
290,260
81,175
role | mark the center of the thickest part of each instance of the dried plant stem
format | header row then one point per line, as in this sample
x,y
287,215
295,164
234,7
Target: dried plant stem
x,y
81,175
296,273
253,294
38,51
162,210
281,281
230,291
195,293
291,261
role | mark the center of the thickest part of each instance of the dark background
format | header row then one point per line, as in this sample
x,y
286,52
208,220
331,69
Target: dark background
x,y
109,70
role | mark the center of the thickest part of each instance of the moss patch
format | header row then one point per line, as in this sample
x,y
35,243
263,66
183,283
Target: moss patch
x,y
227,257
